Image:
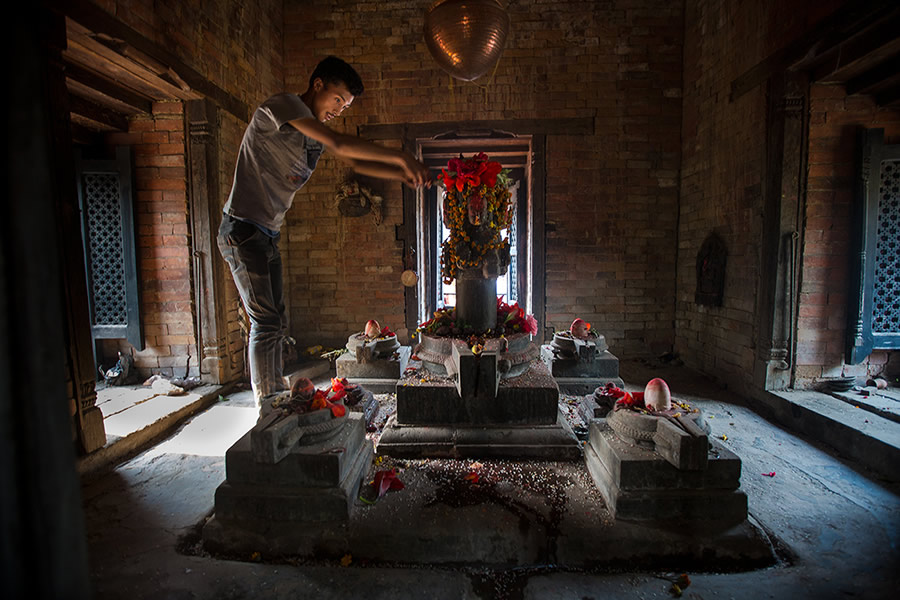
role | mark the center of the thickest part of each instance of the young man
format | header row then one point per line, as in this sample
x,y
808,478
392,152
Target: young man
x,y
278,153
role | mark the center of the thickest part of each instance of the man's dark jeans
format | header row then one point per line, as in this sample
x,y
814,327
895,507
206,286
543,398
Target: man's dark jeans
x,y
255,263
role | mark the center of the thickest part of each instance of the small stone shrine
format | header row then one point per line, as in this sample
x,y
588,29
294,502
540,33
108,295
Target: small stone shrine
x,y
579,359
655,462
374,359
293,468
479,388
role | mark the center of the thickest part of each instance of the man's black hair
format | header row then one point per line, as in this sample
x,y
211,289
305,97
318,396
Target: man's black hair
x,y
334,70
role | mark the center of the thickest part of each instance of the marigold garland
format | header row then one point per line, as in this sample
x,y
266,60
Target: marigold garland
x,y
477,199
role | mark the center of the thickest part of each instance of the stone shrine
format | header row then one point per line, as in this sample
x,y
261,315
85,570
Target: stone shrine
x,y
376,362
480,389
580,361
663,466
290,470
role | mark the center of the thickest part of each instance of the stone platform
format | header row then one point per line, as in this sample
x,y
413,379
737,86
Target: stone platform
x,y
522,421
516,514
638,484
314,482
378,375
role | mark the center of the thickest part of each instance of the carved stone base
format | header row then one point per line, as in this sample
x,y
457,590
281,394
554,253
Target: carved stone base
x,y
637,483
312,483
547,442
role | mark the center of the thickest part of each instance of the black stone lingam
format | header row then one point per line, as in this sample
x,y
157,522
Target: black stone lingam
x,y
476,299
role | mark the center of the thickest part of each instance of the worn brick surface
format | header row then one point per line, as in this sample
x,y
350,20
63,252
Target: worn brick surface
x,y
721,186
611,197
828,238
238,47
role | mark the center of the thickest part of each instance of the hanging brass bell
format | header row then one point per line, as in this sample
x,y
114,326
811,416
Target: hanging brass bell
x,y
466,37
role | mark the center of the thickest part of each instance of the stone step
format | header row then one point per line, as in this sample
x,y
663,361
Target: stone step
x,y
854,432
545,442
521,513
884,403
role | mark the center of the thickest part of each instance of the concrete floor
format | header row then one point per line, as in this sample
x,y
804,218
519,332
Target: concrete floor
x,y
836,526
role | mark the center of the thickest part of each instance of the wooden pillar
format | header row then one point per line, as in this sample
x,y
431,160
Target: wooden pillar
x,y
784,176
209,268
82,374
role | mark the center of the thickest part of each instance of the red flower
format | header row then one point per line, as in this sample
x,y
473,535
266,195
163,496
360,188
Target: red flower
x,y
531,325
387,480
492,169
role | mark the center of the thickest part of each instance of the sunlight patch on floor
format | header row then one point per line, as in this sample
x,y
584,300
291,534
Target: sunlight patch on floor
x,y
210,433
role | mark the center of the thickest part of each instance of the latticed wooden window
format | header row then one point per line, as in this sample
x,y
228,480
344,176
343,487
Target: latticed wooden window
x,y
875,322
104,192
886,261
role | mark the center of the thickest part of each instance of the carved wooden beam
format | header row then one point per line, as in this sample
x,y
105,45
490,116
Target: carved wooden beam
x,y
100,22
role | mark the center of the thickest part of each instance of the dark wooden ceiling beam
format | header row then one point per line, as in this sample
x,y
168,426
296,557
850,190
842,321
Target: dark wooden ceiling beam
x,y
101,22
889,97
881,76
102,56
103,91
860,53
77,54
85,136
98,114
800,53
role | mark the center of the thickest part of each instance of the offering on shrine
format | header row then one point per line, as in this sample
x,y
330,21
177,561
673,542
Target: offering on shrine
x,y
657,396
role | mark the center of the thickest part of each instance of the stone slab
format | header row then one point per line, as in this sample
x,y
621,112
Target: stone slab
x,y
884,403
686,451
636,468
520,514
323,464
530,399
291,501
347,366
604,365
547,442
701,505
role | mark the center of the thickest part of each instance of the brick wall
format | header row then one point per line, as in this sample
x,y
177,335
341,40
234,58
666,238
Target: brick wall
x,y
723,154
611,197
235,45
238,47
163,244
827,237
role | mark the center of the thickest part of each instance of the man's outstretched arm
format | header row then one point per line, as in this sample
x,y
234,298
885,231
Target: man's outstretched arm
x,y
359,151
379,169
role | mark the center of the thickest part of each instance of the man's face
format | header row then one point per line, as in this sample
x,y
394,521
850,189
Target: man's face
x,y
330,99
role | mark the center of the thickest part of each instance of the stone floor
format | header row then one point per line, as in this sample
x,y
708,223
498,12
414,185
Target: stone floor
x,y
835,526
